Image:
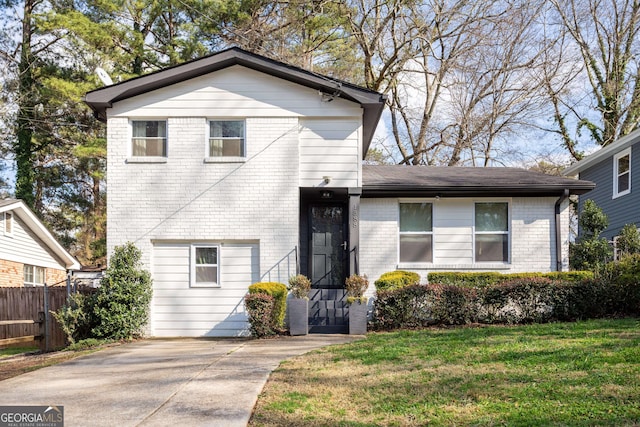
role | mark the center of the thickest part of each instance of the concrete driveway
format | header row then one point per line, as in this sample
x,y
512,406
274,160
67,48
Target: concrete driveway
x,y
178,382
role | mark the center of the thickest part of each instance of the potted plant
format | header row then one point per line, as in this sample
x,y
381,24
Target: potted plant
x,y
356,286
299,285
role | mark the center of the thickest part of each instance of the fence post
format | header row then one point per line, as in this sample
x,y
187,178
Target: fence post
x,y
46,319
42,329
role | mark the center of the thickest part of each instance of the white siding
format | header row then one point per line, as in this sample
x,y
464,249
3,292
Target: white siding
x,y
179,310
234,92
532,237
330,147
25,247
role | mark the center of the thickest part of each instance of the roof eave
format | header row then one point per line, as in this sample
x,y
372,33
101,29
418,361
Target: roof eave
x,y
469,191
603,153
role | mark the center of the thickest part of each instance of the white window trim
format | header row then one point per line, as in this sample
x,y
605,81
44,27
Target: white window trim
x,y
623,153
224,159
508,232
147,159
404,264
192,265
44,275
8,217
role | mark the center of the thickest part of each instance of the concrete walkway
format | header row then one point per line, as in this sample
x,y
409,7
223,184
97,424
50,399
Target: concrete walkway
x,y
180,382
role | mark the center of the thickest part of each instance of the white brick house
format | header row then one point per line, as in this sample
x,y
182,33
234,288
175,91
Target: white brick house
x,y
234,169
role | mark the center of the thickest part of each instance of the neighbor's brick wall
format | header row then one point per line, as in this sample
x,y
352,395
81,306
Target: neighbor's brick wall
x,y
186,199
12,274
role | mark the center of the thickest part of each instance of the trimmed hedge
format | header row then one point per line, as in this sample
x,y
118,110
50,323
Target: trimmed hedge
x,y
483,279
396,279
279,293
514,301
260,308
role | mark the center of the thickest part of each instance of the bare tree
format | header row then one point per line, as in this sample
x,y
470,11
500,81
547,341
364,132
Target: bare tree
x,y
605,36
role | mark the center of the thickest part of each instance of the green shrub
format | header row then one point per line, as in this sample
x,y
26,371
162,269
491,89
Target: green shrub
x,y
356,286
279,293
623,279
300,285
628,242
590,251
121,303
407,307
75,317
396,279
522,300
453,305
483,279
260,308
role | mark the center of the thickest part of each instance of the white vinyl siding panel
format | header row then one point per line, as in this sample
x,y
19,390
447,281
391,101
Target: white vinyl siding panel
x,y
453,242
180,310
233,92
330,147
25,247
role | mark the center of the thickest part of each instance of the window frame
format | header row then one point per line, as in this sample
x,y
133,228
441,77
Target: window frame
x,y
243,146
475,232
132,137
193,264
34,268
8,218
416,233
616,173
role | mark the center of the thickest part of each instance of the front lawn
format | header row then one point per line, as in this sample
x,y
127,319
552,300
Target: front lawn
x,y
568,374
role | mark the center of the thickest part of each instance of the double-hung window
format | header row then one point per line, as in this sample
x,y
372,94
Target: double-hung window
x,y
7,223
416,232
149,138
205,265
33,276
226,138
622,173
491,234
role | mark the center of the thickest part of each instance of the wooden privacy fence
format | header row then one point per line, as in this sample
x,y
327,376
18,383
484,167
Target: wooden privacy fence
x,y
25,316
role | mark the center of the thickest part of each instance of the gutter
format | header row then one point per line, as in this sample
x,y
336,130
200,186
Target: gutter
x,y
560,201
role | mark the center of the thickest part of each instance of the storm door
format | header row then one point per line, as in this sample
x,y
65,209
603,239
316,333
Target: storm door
x,y
328,266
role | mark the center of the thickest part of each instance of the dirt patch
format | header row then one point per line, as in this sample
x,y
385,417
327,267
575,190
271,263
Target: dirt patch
x,y
19,364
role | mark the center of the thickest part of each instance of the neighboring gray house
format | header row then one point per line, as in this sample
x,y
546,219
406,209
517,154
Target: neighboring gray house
x,y
234,169
615,169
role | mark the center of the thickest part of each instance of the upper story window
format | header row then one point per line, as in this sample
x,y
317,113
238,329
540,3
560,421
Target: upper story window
x,y
622,173
416,232
33,276
226,138
7,222
149,138
205,265
491,234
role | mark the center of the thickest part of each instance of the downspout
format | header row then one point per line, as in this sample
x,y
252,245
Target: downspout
x,y
560,201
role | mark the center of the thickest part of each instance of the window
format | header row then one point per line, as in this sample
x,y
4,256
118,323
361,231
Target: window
x,y
149,138
33,276
226,138
622,173
205,269
491,235
416,232
8,224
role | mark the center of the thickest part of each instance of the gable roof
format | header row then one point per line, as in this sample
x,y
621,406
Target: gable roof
x,y
35,225
432,181
604,153
372,102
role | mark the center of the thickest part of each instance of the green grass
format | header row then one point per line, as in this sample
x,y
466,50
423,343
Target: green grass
x,y
563,374
6,352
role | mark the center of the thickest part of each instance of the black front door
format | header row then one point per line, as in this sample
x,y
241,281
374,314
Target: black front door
x,y
328,265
